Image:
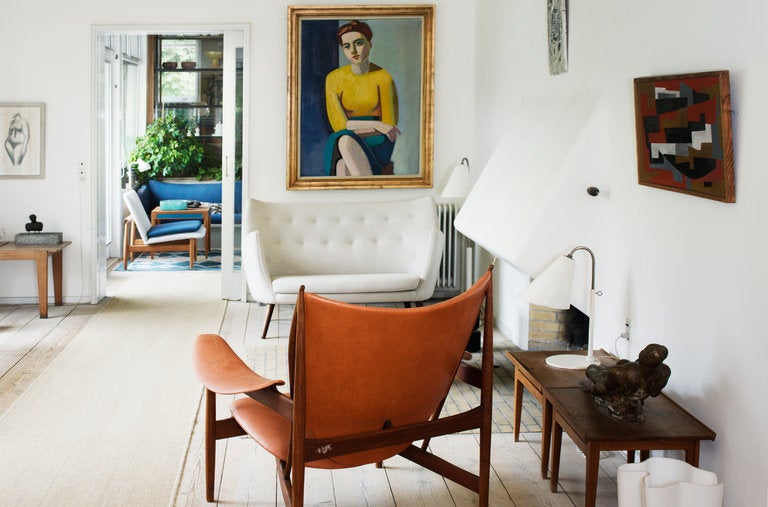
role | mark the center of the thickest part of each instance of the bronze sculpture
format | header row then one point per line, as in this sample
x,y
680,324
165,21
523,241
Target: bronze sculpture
x,y
622,389
33,225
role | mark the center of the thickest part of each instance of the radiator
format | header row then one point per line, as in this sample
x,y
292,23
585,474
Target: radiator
x,y
452,262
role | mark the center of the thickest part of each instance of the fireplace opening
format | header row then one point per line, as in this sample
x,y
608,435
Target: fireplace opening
x,y
550,328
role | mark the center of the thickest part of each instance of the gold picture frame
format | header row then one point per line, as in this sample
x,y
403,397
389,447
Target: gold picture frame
x,y
382,139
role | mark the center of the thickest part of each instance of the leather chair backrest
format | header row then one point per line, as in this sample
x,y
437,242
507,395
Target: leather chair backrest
x,y
368,366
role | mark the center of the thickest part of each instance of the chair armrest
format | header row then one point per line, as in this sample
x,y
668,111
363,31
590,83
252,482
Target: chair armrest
x,y
431,268
254,265
222,371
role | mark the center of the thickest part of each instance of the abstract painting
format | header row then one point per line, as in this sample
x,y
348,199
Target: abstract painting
x,y
684,136
22,127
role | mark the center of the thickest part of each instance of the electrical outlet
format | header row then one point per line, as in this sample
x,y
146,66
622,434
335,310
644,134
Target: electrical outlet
x,y
627,325
81,170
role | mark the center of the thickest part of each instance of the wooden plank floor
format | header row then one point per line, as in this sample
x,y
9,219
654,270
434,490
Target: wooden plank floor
x,y
246,474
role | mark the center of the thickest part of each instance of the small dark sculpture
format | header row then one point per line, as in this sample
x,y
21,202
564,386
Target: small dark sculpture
x,y
622,389
34,225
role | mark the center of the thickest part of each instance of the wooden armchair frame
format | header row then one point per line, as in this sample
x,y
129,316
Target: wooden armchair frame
x,y
138,220
294,417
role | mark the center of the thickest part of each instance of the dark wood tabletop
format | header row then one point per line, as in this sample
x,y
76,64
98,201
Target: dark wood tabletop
x,y
664,419
533,362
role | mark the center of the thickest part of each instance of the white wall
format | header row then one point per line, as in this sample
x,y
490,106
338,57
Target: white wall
x,y
50,52
687,270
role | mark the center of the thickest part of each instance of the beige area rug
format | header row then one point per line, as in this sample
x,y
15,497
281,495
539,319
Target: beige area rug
x,y
109,421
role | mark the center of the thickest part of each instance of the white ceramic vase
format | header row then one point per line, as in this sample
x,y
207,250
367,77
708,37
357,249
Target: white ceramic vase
x,y
665,482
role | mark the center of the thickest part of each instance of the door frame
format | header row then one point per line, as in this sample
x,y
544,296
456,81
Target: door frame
x,y
97,265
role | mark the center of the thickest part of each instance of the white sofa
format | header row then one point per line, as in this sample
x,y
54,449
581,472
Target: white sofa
x,y
365,252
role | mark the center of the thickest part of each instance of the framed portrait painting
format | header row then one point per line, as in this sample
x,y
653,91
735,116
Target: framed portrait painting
x,y
23,133
360,96
684,136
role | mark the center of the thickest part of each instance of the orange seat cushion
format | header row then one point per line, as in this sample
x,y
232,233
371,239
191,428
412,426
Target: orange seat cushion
x,y
273,432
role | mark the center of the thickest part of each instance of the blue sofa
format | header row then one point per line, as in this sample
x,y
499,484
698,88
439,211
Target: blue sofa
x,y
154,191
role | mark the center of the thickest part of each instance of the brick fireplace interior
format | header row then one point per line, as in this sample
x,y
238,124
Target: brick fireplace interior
x,y
555,329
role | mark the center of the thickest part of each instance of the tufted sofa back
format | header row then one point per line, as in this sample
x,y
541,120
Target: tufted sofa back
x,y
345,238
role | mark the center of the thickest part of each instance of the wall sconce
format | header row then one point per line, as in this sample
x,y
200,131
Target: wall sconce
x,y
458,184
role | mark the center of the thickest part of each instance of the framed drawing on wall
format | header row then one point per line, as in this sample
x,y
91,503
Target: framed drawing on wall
x,y
557,36
684,136
360,97
23,133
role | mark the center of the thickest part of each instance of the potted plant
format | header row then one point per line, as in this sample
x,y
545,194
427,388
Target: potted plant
x,y
171,149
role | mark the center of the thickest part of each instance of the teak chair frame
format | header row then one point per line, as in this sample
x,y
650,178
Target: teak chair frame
x,y
133,245
184,242
223,372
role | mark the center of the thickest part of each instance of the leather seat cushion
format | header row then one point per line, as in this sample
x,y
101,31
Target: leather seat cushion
x,y
271,430
273,433
346,284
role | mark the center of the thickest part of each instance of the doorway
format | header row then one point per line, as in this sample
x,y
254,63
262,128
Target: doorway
x,y
120,96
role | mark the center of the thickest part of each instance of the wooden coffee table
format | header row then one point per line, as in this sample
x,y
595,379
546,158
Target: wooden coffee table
x,y
565,406
204,212
667,426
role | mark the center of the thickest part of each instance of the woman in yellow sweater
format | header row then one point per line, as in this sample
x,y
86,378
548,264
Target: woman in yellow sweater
x,y
361,102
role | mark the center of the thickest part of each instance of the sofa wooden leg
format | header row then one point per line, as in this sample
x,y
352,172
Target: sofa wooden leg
x,y
267,319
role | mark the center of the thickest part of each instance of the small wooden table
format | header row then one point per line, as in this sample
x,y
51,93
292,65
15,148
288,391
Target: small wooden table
x,y
204,212
40,254
667,426
534,374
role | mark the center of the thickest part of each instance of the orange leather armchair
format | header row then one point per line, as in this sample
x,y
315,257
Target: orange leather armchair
x,y
365,383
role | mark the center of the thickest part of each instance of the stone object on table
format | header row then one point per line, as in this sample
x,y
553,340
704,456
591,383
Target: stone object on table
x,y
621,390
39,238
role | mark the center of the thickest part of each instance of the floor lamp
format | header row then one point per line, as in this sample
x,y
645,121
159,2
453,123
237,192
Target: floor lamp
x,y
456,188
552,288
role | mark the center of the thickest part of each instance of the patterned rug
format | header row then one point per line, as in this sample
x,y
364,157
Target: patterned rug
x,y
178,261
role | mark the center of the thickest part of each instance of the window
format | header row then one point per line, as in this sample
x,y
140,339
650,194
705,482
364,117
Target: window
x,y
181,87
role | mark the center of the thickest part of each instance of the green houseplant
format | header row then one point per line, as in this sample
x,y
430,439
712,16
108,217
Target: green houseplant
x,y
172,151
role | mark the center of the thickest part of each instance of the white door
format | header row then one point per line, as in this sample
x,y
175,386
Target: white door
x,y
233,157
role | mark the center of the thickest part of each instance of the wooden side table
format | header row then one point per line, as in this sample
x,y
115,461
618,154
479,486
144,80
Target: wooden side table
x,y
534,374
204,212
667,426
40,254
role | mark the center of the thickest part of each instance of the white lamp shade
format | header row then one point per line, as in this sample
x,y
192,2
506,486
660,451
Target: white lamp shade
x,y
143,166
458,183
552,288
